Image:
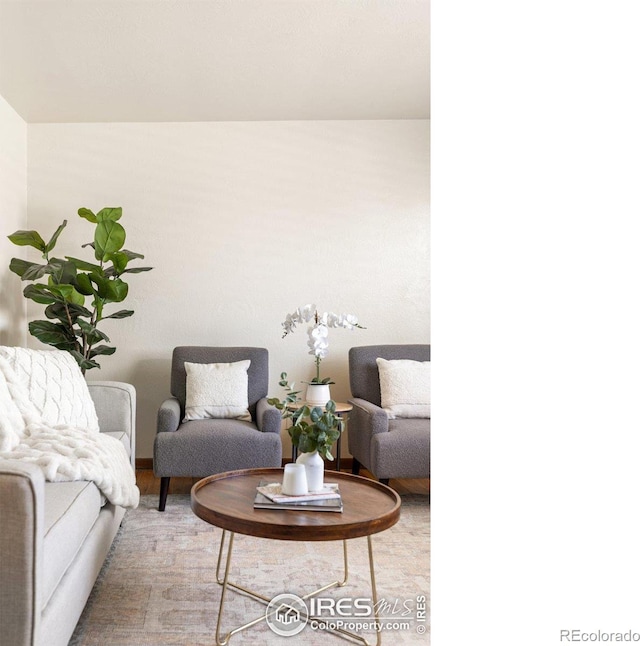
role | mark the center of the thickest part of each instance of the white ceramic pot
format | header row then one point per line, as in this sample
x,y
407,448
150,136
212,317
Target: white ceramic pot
x,y
314,466
318,394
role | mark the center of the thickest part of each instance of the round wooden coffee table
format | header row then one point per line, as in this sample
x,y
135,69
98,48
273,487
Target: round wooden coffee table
x,y
226,501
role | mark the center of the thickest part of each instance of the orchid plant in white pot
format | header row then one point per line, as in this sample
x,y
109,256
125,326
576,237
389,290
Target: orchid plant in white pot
x,y
318,392
315,425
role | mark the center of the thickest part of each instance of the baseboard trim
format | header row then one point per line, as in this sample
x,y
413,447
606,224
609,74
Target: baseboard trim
x,y
345,463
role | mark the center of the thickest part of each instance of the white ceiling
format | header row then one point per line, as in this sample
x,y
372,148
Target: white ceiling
x,y
215,60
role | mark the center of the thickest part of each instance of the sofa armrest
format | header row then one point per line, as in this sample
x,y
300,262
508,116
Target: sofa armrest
x,y
115,403
21,546
268,418
168,416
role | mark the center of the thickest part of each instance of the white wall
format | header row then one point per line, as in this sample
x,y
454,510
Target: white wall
x,y
13,216
244,222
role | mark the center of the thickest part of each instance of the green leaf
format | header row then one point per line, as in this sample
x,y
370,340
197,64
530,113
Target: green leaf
x,y
40,294
117,290
322,424
98,303
306,444
63,312
132,254
109,213
119,261
54,238
92,334
109,238
101,349
28,239
121,314
136,270
75,297
101,283
87,214
84,285
294,433
85,364
83,264
27,270
61,271
67,293
50,333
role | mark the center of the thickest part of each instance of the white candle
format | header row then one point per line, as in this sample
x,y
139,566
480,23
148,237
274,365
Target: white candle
x,y
294,481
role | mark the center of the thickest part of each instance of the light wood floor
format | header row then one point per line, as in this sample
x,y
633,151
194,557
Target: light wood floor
x,y
149,484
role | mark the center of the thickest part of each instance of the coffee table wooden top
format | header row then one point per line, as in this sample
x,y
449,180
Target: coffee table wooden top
x,y
226,501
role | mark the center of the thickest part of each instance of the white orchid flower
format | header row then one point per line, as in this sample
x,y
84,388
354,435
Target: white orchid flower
x,y
318,332
289,324
330,319
318,340
307,313
348,321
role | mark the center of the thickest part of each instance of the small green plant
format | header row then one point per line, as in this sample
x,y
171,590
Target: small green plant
x,y
70,324
312,429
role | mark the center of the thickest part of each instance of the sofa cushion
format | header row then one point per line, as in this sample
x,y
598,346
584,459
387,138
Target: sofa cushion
x,y
56,386
70,510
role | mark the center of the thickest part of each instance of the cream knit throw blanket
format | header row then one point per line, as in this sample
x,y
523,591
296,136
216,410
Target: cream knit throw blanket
x,y
63,452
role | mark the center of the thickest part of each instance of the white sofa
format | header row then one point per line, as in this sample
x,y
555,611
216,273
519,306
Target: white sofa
x,y
54,537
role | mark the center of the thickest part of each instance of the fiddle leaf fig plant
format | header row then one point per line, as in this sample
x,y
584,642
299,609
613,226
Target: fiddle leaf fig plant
x,y
313,428
76,291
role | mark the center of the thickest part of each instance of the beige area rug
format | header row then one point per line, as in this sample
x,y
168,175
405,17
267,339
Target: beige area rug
x,y
158,586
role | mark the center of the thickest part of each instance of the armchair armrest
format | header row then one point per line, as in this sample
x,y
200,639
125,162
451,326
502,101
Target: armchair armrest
x,y
21,546
369,416
168,416
365,421
268,418
115,403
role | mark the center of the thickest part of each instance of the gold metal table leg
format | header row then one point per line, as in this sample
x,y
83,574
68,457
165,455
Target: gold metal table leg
x,y
226,583
222,642
374,598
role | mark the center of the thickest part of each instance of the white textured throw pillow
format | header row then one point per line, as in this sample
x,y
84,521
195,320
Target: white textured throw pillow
x,y
217,390
56,386
405,387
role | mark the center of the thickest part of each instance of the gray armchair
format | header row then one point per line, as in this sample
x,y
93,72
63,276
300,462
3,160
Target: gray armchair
x,y
388,448
203,447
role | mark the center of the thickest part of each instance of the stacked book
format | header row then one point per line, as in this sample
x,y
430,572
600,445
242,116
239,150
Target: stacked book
x,y
270,496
